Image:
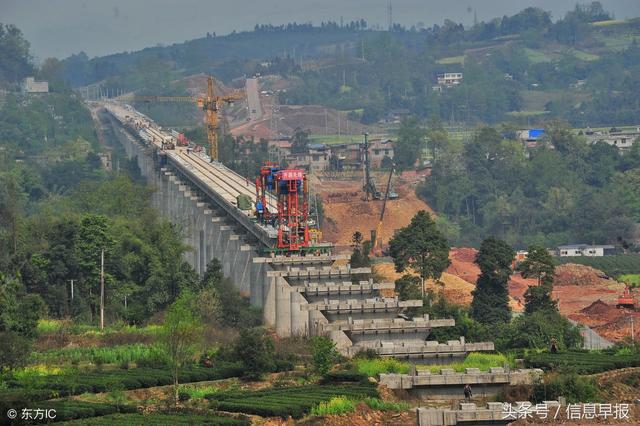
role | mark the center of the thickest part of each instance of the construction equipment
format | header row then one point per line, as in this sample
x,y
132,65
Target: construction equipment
x,y
292,216
210,104
368,186
629,299
376,238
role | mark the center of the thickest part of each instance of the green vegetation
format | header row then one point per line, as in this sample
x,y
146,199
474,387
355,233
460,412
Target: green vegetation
x,y
490,304
69,409
182,335
335,406
614,266
374,367
582,362
293,401
324,354
121,354
159,419
74,382
377,404
421,248
451,60
482,361
631,279
574,388
494,186
539,264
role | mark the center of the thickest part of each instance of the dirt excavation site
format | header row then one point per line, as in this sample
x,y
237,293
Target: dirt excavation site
x,y
584,294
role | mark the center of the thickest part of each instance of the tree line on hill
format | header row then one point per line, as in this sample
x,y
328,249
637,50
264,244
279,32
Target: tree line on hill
x,y
421,249
564,190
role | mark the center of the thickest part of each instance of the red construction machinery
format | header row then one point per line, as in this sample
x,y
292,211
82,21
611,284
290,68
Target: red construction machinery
x,y
629,299
291,218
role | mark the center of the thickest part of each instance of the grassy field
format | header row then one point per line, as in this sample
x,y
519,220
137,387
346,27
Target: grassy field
x,y
373,367
633,279
337,139
583,56
451,60
525,114
537,56
474,360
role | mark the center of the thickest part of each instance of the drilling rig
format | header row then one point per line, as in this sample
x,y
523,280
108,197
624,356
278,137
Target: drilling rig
x,y
210,104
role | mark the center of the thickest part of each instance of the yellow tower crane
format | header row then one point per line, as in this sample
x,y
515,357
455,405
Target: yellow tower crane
x,y
210,104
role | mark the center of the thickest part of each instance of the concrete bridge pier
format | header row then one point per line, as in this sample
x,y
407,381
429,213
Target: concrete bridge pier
x,y
283,307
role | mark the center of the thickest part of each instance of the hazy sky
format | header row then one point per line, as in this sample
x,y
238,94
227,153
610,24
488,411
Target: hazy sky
x,y
62,27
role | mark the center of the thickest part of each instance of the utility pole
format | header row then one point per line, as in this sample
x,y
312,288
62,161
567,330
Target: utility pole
x,y
633,335
102,290
72,289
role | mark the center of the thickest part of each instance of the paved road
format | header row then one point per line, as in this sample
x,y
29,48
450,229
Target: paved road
x,y
253,98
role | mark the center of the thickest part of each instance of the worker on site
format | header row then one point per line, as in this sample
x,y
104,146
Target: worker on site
x,y
260,210
554,345
467,393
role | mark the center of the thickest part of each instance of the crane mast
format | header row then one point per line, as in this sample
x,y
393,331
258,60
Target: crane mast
x,y
210,104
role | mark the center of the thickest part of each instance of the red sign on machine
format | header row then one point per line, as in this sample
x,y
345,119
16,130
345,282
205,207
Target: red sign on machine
x,y
291,174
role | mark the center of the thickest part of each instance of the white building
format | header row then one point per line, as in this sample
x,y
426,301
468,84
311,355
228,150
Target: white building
x,y
449,79
572,250
620,139
30,85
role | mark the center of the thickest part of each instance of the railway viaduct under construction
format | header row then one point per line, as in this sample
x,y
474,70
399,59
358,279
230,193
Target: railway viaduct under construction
x,y
299,295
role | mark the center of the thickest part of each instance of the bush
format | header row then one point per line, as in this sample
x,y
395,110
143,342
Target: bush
x,y
335,406
582,362
344,376
377,404
75,382
571,386
324,354
291,401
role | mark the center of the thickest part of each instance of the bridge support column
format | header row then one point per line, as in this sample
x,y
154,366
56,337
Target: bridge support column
x,y
230,253
299,319
223,247
258,284
283,308
207,237
269,302
243,265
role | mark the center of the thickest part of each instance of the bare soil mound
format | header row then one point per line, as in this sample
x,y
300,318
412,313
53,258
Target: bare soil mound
x,y
574,274
597,308
348,213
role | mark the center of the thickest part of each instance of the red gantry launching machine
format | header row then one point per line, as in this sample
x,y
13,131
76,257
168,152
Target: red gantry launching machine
x,y
291,219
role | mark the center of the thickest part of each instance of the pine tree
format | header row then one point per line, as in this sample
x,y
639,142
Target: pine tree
x,y
490,303
421,247
539,265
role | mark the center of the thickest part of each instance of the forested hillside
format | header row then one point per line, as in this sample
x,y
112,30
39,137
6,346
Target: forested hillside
x,y
59,208
524,68
563,191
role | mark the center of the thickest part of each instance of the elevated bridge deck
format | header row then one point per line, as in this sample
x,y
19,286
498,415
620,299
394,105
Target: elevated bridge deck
x,y
213,179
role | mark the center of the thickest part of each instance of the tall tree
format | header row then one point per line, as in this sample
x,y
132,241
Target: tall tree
x,y
19,314
409,145
181,335
490,303
300,141
256,350
360,254
420,247
539,265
